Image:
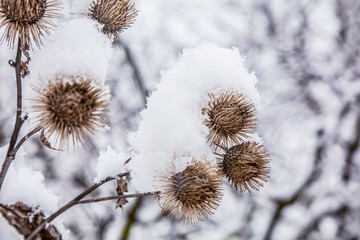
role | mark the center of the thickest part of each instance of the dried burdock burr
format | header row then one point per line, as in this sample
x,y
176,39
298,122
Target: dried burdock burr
x,y
71,107
193,193
246,166
230,118
114,15
26,219
28,20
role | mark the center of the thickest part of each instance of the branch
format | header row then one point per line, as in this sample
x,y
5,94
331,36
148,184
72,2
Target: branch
x,y
26,137
71,204
19,121
11,155
117,197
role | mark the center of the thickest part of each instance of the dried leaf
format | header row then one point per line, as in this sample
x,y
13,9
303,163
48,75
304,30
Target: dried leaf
x,y
122,187
26,219
25,50
24,70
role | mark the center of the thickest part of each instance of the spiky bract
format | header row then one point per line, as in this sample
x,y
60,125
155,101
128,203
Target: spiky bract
x,y
27,20
246,166
71,107
193,193
230,118
114,15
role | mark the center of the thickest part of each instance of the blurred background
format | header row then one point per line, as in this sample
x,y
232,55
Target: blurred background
x,y
305,55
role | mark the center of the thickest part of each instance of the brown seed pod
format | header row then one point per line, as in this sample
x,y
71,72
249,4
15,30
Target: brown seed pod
x,y
27,20
114,15
71,106
193,193
246,166
230,118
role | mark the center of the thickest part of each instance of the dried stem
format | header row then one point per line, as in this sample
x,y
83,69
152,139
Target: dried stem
x,y
26,137
70,204
10,155
117,197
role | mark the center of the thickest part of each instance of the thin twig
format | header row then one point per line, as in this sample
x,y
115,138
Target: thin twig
x,y
117,197
71,204
19,121
26,137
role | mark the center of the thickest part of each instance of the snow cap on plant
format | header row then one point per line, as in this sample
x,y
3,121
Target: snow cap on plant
x,y
27,20
114,15
71,107
246,166
193,193
230,118
173,120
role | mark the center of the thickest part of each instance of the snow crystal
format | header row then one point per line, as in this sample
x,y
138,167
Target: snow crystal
x,y
172,123
109,164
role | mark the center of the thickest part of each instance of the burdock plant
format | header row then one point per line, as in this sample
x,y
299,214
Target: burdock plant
x,y
28,20
71,107
246,166
67,108
114,15
230,118
191,194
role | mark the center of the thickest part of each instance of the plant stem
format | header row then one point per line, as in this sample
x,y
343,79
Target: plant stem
x,y
71,204
117,197
26,137
19,121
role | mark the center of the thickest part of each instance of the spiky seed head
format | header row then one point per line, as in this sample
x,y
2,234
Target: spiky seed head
x,y
192,194
230,118
114,15
71,107
27,20
246,166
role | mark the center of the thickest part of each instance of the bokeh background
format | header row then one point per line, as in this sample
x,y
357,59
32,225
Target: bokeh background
x,y
305,55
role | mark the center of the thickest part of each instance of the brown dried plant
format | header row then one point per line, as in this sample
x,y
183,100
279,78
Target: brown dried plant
x,y
193,193
114,15
71,107
27,20
230,118
246,166
26,219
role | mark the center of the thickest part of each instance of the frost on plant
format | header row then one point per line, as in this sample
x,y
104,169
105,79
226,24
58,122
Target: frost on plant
x,y
197,112
26,219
